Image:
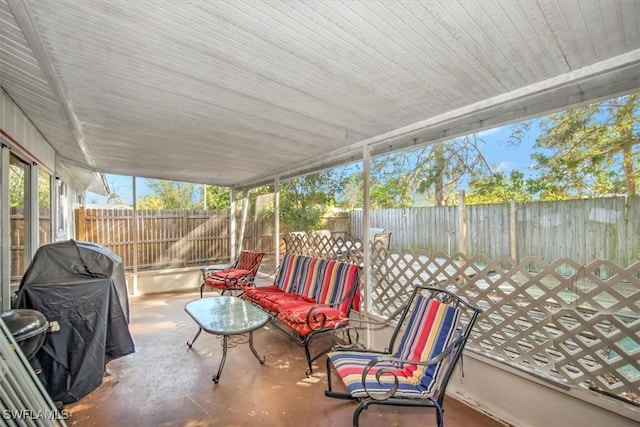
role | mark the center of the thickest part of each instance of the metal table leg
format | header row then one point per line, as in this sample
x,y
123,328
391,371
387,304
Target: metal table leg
x,y
253,350
225,339
225,344
194,338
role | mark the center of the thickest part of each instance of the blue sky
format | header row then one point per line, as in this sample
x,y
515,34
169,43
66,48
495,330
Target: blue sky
x,y
123,186
505,157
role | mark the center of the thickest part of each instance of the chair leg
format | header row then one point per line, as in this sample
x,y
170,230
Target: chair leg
x,y
328,375
439,413
356,415
307,352
201,289
329,391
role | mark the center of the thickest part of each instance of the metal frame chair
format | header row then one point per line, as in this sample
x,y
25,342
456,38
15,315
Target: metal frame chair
x,y
242,272
431,330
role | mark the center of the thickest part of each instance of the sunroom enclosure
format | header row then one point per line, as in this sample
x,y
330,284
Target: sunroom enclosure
x,y
250,94
572,324
567,325
562,315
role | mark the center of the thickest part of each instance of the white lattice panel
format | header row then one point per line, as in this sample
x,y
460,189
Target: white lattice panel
x,y
577,324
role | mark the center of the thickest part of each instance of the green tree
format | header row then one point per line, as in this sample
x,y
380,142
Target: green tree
x,y
590,151
44,191
16,185
258,204
170,194
305,199
429,175
151,202
393,179
218,198
451,164
499,187
388,184
350,197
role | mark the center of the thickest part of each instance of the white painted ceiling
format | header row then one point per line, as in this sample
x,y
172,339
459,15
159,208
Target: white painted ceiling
x,y
235,93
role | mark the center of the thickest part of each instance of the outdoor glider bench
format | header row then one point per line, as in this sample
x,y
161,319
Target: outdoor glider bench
x,y
308,298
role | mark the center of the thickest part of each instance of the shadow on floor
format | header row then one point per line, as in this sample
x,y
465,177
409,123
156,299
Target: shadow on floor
x,y
164,383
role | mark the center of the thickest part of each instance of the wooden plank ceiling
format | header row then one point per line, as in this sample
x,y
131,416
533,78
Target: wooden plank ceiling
x,y
235,93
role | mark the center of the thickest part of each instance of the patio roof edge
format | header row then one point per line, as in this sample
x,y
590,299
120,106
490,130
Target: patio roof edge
x,y
510,107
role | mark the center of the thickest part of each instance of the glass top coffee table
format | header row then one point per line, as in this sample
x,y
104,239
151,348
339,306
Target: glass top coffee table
x,y
226,315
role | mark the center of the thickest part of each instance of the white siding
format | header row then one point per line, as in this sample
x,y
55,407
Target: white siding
x,y
17,126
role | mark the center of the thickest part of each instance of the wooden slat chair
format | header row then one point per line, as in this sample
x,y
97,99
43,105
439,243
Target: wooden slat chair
x,y
435,325
240,273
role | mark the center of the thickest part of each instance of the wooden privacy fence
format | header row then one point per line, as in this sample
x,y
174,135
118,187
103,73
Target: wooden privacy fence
x,y
155,239
18,237
581,230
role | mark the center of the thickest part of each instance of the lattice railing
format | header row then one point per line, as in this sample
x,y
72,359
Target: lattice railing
x,y
311,244
579,325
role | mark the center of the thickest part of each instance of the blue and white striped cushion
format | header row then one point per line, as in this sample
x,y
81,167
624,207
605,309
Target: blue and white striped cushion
x,y
431,328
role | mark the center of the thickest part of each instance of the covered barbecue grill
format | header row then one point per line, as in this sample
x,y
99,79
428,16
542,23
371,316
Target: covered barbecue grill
x,y
28,327
80,285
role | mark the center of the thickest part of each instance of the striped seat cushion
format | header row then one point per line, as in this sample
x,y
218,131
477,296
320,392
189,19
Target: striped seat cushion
x,y
430,329
350,364
296,272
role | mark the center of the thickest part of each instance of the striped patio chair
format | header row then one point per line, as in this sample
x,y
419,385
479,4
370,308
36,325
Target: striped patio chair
x,y
435,325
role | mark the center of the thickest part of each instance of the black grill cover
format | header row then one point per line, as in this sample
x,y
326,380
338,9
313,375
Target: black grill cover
x,y
81,285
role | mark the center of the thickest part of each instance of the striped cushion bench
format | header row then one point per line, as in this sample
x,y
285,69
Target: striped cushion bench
x,y
308,297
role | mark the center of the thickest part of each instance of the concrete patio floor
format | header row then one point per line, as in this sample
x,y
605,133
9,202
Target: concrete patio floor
x,y
164,383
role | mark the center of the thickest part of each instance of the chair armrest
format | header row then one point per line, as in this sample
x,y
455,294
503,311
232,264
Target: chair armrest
x,y
207,270
249,281
239,282
360,350
317,318
399,362
349,332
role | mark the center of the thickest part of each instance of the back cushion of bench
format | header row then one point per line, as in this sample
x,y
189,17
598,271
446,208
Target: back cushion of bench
x,y
338,279
309,274
286,278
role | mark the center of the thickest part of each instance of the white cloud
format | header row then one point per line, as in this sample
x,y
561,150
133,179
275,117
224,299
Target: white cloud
x,y
504,167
